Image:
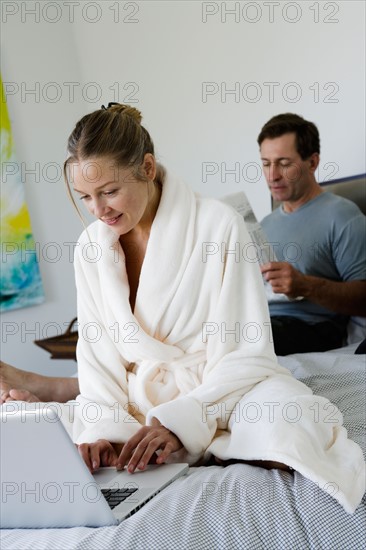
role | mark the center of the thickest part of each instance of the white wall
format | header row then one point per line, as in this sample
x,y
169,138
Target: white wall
x,y
158,56
33,55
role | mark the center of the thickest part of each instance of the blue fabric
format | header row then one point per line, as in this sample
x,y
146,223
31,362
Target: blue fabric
x,y
326,238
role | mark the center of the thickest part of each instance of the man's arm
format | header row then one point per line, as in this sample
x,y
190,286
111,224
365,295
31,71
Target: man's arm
x,y
343,297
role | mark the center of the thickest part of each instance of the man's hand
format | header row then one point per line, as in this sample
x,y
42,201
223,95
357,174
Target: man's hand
x,y
100,453
140,449
284,279
343,297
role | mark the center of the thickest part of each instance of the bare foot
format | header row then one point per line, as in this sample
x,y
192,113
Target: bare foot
x,y
34,387
11,378
22,395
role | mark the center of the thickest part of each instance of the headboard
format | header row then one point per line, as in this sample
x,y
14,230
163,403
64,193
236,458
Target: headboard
x,y
352,188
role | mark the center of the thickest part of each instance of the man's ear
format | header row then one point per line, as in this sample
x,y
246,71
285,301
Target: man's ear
x,y
314,162
149,166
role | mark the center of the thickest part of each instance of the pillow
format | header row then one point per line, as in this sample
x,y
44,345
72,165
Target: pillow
x,y
356,330
361,348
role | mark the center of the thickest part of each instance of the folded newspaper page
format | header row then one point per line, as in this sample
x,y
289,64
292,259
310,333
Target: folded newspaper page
x,y
265,251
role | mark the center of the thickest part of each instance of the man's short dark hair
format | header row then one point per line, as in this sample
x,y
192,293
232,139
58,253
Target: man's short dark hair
x,y
306,133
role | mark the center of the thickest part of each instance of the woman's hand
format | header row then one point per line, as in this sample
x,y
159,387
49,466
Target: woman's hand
x,y
140,449
100,453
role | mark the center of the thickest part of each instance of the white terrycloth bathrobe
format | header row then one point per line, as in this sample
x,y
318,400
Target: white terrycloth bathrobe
x,y
196,353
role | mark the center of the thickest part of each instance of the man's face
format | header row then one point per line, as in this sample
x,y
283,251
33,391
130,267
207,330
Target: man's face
x,y
289,177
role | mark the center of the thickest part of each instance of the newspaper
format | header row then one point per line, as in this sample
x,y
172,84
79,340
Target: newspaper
x,y
265,251
239,201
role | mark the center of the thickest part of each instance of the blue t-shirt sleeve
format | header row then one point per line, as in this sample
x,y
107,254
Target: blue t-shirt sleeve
x,y
349,250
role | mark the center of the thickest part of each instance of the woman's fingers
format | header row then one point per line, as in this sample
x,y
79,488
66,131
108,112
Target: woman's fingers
x,y
141,458
100,453
168,449
134,450
94,453
138,452
84,451
129,448
141,448
108,456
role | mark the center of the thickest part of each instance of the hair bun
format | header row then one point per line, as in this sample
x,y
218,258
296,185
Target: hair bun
x,y
126,110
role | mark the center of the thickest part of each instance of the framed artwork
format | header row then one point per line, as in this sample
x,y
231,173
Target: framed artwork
x,y
20,279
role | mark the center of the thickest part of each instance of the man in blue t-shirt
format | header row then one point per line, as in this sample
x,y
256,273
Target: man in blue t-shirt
x,y
318,239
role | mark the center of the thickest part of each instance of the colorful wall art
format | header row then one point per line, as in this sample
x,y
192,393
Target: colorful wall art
x,y
20,280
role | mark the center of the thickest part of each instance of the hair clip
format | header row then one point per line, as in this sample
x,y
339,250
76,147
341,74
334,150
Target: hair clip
x,y
110,104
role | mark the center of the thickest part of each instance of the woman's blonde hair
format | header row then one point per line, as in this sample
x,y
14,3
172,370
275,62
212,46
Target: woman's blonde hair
x,y
114,132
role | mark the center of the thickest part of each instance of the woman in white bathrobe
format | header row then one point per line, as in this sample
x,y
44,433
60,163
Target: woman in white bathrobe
x,y
175,357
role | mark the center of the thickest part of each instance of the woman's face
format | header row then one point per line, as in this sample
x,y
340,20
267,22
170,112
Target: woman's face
x,y
112,193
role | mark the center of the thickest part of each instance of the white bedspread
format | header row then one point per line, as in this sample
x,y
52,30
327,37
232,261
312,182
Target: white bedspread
x,y
240,506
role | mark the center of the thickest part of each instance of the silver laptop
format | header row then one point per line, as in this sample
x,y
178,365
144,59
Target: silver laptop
x,y
45,482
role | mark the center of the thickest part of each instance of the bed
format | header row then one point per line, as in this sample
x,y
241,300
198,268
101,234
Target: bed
x,y
241,506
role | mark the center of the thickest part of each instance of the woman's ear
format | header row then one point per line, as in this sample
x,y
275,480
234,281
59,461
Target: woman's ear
x,y
149,166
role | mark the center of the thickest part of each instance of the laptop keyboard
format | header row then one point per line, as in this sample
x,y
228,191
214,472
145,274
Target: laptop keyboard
x,y
116,496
